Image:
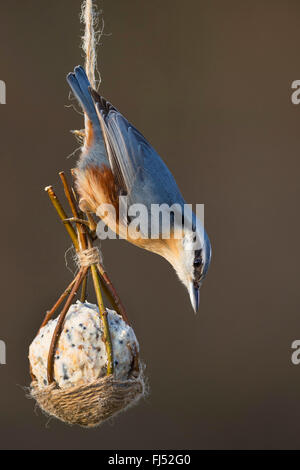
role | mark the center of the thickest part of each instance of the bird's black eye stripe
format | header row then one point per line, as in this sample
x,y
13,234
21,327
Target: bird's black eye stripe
x,y
198,261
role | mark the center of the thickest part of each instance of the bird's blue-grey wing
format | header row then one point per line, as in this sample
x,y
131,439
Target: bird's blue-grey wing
x,y
137,166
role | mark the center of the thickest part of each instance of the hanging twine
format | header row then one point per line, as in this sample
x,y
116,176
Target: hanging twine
x,y
89,19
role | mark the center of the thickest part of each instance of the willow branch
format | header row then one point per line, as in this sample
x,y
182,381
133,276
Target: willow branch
x,y
62,215
83,290
70,199
103,315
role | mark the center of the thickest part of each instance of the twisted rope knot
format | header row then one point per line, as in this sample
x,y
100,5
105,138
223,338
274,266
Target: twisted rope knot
x,y
88,257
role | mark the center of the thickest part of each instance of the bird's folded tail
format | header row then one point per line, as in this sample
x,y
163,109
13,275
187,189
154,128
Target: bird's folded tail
x,y
80,86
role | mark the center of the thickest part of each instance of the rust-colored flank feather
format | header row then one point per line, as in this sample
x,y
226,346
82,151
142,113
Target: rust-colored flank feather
x,y
97,185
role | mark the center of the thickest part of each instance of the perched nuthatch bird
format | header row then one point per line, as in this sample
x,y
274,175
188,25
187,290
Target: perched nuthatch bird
x,y
116,161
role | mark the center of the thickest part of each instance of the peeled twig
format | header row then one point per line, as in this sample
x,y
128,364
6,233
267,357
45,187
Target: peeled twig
x,y
62,215
70,198
83,290
103,314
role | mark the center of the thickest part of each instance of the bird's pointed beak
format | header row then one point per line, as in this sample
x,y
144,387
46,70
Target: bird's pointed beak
x,y
194,296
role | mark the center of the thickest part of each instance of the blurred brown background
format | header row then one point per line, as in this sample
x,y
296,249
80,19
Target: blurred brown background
x,y
208,83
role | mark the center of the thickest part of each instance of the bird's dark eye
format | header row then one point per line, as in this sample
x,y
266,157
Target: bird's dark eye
x,y
197,263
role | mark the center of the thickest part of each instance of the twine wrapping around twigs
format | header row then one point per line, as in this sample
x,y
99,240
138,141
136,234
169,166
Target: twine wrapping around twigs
x,y
91,404
88,257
